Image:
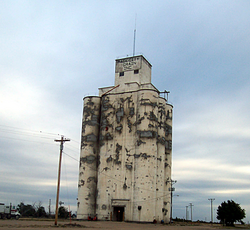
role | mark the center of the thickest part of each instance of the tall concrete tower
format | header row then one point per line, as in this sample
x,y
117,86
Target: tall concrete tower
x,y
126,149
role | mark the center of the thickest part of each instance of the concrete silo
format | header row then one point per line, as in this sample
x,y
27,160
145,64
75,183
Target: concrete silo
x,y
126,152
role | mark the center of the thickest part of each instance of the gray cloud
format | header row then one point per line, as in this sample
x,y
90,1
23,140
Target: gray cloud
x,y
53,54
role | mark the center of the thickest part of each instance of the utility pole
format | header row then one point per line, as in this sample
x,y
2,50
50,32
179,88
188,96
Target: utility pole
x,y
49,207
59,175
191,205
211,199
186,213
172,182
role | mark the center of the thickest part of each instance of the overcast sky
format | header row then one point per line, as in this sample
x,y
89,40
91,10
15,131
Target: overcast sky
x,y
54,53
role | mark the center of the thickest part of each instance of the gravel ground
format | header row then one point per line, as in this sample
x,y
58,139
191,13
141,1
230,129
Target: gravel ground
x,y
93,225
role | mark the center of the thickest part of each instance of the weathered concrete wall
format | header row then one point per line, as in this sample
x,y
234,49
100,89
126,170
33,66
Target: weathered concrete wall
x,y
128,66
133,156
88,158
126,154
165,153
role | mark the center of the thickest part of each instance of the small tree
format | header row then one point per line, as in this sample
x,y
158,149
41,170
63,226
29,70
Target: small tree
x,y
26,210
230,212
63,212
41,212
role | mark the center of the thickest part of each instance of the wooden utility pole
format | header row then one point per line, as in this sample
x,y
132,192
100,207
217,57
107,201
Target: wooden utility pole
x,y
59,175
49,207
211,199
171,189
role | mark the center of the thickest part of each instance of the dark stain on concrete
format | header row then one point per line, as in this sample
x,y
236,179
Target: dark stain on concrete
x,y
147,102
152,117
117,150
131,111
119,128
91,179
146,133
105,103
129,125
109,159
129,166
145,155
89,138
139,142
88,159
119,114
138,122
81,183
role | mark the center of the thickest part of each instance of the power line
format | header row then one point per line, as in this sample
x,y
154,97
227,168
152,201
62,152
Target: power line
x,y
20,139
71,157
28,130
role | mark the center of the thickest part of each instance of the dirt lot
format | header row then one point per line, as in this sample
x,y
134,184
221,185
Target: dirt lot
x,y
107,225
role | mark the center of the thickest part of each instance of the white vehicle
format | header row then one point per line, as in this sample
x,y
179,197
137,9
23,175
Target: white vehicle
x,y
8,211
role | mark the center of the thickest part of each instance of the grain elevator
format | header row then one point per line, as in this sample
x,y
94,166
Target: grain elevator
x,y
126,149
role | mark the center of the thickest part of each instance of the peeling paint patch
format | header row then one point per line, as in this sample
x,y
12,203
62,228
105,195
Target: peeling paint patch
x,y
129,166
126,99
105,103
137,155
129,125
119,128
119,114
168,129
107,136
168,145
109,159
147,133
106,169
81,183
91,179
139,142
89,138
131,111
148,102
93,121
145,155
88,159
139,120
83,145
161,140
117,150
127,150
152,116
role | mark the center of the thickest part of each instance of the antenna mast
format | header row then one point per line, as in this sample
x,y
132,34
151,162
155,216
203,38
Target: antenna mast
x,y
134,37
